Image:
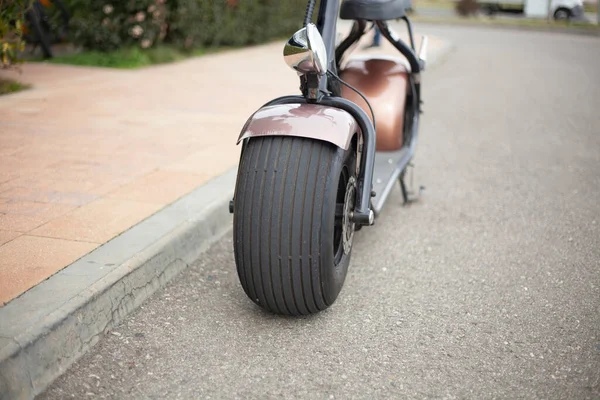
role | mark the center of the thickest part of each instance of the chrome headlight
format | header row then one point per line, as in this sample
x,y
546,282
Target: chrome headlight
x,y
305,51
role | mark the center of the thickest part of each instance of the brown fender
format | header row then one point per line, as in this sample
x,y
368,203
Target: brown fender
x,y
384,82
302,120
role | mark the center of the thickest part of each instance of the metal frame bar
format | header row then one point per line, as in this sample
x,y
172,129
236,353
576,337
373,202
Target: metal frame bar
x,y
358,30
413,60
327,25
410,32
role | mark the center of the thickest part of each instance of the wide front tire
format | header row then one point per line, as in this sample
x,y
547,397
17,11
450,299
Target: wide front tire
x,y
292,248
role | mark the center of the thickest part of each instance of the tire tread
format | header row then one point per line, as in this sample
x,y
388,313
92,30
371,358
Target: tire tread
x,y
278,220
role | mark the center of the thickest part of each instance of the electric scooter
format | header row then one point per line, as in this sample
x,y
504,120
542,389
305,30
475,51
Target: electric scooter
x,y
315,168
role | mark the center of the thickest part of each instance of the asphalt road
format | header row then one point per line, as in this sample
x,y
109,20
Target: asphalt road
x,y
487,288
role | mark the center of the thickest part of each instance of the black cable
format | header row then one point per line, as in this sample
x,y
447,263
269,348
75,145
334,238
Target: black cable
x,y
356,90
310,8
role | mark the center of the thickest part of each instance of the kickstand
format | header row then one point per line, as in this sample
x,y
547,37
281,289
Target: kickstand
x,y
409,196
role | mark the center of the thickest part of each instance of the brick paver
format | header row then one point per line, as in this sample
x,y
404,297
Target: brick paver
x,y
90,152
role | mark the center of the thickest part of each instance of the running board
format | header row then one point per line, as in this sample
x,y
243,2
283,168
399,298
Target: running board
x,y
388,167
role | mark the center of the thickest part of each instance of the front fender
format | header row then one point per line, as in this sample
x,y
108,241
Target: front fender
x,y
313,121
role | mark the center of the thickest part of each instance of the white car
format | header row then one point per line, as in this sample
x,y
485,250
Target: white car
x,y
559,9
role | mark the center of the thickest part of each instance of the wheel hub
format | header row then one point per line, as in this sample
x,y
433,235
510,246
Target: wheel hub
x,y
347,224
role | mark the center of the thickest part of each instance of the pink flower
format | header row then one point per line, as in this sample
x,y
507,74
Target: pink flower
x,y
136,31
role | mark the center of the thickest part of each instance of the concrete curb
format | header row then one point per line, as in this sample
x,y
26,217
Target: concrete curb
x,y
48,328
52,325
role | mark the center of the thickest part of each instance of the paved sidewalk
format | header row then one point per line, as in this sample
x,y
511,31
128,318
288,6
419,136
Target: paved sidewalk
x,y
89,152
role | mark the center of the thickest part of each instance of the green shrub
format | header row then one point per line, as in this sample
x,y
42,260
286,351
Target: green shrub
x,y
108,24
232,23
112,24
12,23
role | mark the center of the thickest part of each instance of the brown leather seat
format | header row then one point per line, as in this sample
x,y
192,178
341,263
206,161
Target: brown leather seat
x,y
384,82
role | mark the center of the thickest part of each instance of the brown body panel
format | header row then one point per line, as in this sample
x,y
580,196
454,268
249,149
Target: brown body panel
x,y
384,82
302,120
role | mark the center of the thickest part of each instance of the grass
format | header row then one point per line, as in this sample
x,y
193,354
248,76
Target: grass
x,y
129,58
590,7
135,57
433,4
9,86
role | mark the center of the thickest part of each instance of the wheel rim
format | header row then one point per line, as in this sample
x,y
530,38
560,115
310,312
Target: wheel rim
x,y
561,14
344,227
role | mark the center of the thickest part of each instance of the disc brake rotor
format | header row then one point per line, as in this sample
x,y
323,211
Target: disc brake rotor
x,y
347,224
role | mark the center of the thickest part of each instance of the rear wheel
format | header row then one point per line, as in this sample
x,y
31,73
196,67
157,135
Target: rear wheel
x,y
562,14
292,231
